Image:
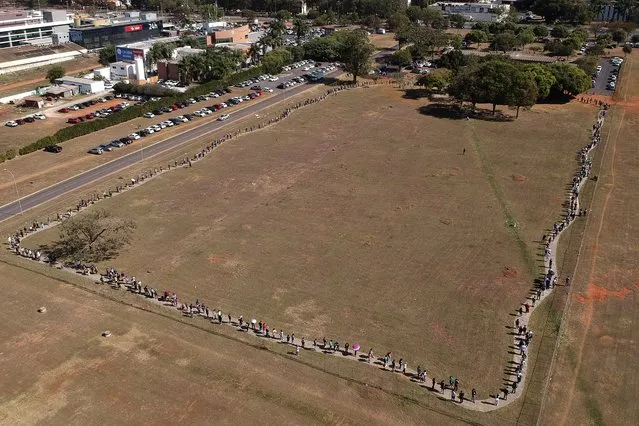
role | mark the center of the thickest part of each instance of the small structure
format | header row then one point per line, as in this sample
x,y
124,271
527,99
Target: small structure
x,y
478,11
85,85
33,102
106,333
61,91
42,310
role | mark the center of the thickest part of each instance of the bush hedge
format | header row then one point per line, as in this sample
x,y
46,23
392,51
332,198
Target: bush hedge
x,y
130,113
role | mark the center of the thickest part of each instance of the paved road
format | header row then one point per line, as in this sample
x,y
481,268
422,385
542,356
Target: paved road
x,y
601,83
100,172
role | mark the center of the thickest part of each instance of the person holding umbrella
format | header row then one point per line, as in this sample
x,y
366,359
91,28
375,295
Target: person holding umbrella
x,y
355,349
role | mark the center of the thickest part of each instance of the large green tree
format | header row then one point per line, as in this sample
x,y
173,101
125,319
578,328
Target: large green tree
x,y
356,52
55,72
544,78
523,91
570,80
107,54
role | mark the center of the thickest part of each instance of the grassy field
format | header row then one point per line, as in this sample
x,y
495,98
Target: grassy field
x,y
39,169
359,219
594,381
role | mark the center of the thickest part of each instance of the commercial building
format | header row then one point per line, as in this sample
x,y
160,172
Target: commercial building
x,y
21,26
480,11
170,69
120,33
84,85
122,70
62,91
234,35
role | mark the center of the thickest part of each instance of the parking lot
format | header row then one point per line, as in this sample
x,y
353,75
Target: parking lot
x,y
601,82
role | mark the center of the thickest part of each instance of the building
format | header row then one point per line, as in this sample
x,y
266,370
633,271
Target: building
x,y
19,58
62,91
122,70
120,33
233,35
84,85
33,102
486,11
170,70
20,26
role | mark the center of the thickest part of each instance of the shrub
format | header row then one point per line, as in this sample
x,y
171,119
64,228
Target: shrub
x,y
10,154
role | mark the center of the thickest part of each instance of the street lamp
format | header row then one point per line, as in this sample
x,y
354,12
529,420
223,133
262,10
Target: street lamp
x,y
15,185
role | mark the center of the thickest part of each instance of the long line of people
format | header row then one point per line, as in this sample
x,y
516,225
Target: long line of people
x,y
522,335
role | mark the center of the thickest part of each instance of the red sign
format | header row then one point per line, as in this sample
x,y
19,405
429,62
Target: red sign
x,y
131,28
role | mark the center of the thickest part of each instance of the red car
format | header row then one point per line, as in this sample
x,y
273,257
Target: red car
x,y
174,107
74,120
89,116
64,110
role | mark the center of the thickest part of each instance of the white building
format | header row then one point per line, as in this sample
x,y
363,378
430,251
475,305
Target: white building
x,y
481,11
123,70
17,27
84,85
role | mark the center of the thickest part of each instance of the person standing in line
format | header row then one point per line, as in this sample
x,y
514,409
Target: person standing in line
x,y
473,394
497,400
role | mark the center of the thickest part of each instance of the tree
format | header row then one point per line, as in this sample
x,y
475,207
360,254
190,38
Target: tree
x,y
55,72
627,49
604,39
457,20
523,92
93,236
372,21
414,13
356,52
525,36
619,35
540,31
401,58
323,49
107,54
438,79
254,52
454,60
476,36
248,14
398,20
504,42
588,63
560,31
274,61
284,15
403,34
301,29
544,78
635,38
570,80
426,40
596,50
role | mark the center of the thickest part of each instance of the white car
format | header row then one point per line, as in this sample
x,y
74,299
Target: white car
x,y
162,125
267,89
11,124
307,68
168,123
274,78
223,117
39,116
134,136
149,115
149,130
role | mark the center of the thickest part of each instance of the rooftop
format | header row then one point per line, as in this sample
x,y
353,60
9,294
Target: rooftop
x,y
118,24
76,80
24,52
146,44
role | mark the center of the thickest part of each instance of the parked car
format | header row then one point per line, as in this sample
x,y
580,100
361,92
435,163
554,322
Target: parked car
x,y
39,116
134,136
96,151
116,144
29,119
11,124
149,115
223,117
73,120
64,110
106,147
53,148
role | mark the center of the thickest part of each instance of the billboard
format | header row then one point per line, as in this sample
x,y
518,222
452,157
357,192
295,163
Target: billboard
x,y
127,54
132,28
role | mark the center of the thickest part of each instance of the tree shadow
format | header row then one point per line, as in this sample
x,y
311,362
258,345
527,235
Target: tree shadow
x,y
455,112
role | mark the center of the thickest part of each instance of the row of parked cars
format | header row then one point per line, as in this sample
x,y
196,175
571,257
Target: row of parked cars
x,y
101,113
28,119
262,78
175,121
292,82
86,104
305,63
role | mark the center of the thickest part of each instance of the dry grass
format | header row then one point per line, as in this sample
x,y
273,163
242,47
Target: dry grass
x,y
594,381
365,223
383,41
39,169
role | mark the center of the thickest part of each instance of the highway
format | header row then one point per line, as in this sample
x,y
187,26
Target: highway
x,y
56,190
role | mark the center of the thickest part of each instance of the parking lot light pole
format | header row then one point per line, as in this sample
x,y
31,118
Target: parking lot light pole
x,y
15,185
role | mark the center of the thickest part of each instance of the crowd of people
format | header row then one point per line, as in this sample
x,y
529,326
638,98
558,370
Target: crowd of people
x,y
198,309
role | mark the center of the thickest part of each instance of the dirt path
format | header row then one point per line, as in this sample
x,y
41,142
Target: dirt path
x,y
490,404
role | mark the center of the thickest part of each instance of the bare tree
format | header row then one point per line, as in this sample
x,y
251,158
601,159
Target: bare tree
x,y
93,236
